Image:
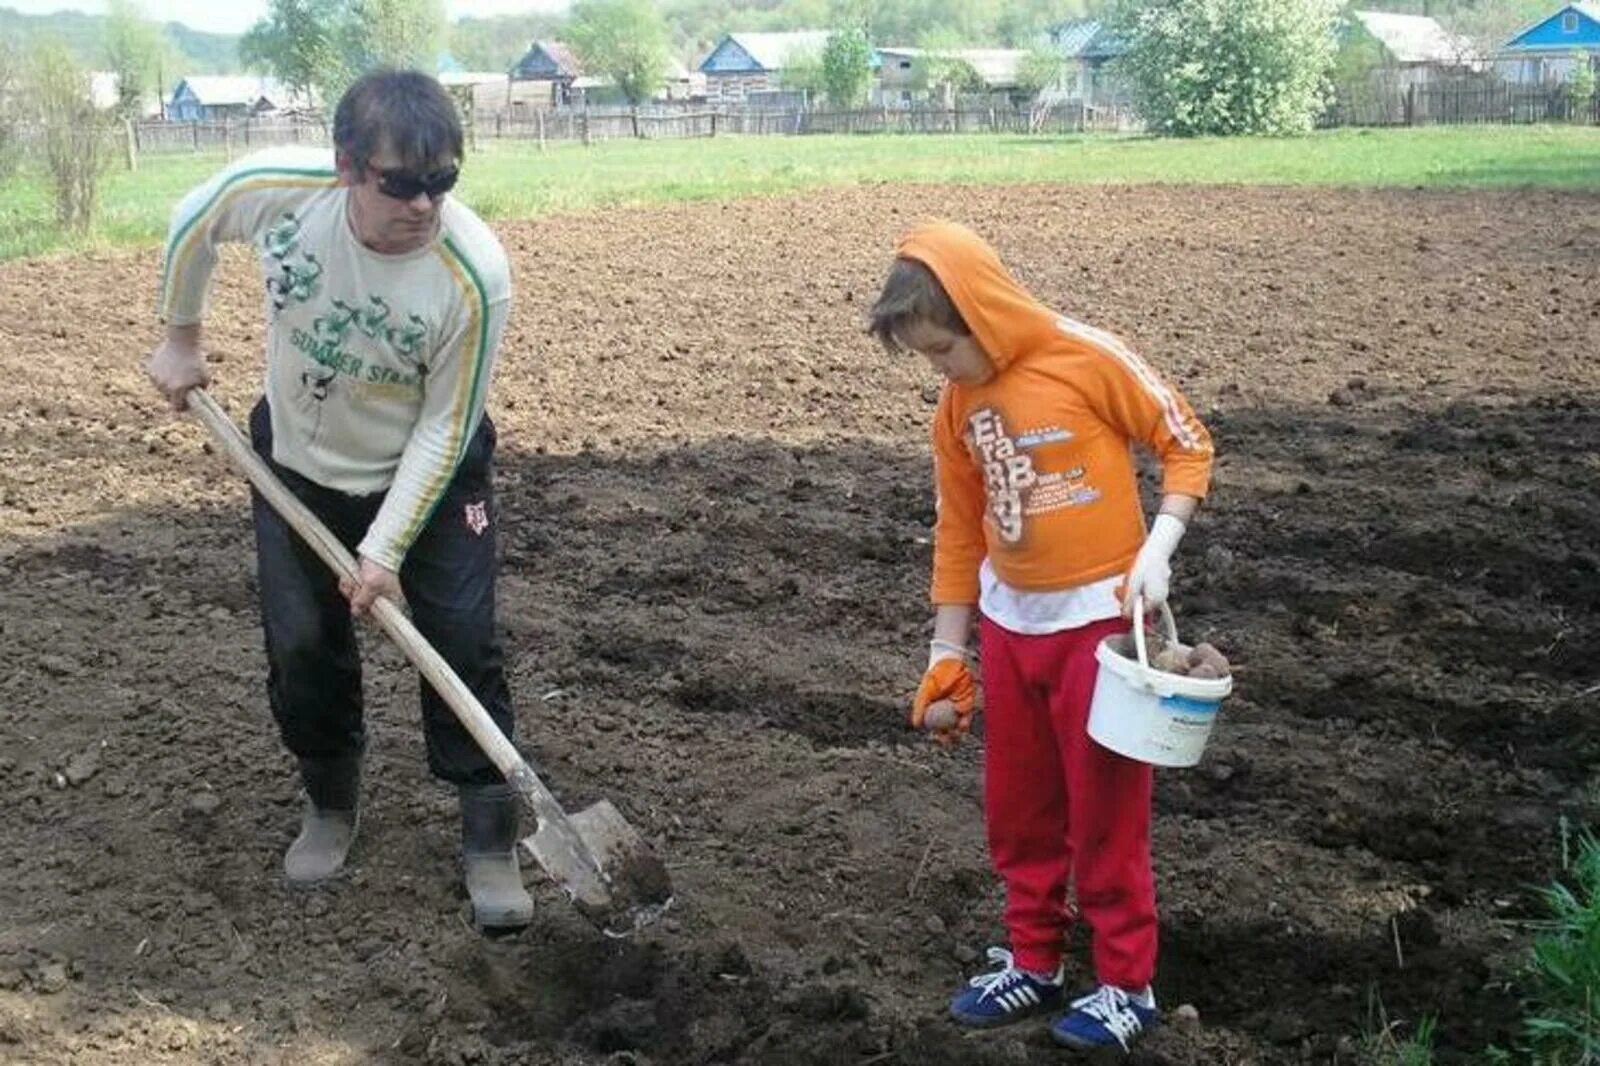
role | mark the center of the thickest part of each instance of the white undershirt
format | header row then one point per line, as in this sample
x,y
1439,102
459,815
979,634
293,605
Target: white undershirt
x,y
1036,613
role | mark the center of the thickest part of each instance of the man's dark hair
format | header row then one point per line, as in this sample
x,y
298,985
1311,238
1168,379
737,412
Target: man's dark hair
x,y
404,109
910,293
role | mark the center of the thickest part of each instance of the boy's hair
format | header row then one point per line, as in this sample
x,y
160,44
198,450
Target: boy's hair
x,y
912,292
404,109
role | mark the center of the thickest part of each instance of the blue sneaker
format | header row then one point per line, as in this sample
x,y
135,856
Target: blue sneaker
x,y
1107,1017
1006,995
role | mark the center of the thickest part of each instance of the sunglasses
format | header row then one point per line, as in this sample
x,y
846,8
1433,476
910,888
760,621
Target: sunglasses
x,y
405,185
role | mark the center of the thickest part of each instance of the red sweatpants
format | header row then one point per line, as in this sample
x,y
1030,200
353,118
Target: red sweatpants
x,y
1061,808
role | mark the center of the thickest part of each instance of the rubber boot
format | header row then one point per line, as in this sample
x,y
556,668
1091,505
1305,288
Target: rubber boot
x,y
489,856
328,823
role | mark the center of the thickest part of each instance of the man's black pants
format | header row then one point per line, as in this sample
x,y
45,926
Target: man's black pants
x,y
313,667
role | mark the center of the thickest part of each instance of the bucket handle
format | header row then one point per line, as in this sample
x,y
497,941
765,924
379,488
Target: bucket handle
x,y
1138,628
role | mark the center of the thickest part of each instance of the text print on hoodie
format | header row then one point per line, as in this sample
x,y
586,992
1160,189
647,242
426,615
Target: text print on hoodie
x,y
1035,467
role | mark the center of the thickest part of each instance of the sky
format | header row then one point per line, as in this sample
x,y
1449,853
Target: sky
x,y
238,15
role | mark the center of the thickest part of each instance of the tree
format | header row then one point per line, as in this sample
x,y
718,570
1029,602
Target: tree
x,y
299,44
624,40
133,51
496,43
847,67
395,33
1021,23
802,72
1488,24
1363,88
72,132
1228,66
320,46
1041,69
940,71
1582,87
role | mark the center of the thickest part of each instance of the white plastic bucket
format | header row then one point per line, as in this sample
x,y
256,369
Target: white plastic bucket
x,y
1148,714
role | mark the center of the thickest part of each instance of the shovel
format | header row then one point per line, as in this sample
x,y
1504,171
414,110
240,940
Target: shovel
x,y
606,867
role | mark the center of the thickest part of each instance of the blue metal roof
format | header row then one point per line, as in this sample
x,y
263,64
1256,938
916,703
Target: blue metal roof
x,y
1576,27
1071,38
1086,39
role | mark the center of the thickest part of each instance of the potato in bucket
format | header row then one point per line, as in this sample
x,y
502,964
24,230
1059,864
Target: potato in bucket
x,y
1158,708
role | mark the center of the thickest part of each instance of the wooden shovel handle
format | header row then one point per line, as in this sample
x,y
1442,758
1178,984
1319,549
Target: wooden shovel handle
x,y
429,662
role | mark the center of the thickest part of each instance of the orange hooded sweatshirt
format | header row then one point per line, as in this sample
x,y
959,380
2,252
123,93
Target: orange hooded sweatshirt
x,y
1035,467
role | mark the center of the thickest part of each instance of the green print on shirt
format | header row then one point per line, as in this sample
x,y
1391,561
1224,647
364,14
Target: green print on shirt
x,y
407,340
327,353
370,321
382,375
293,281
325,344
331,328
282,239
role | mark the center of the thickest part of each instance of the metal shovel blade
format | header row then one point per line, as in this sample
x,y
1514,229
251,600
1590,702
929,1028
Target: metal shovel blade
x,y
636,888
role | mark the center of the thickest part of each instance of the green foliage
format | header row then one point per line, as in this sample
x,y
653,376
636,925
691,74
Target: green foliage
x,y
72,132
1563,977
299,43
324,45
1359,54
1042,68
1384,1042
1357,80
185,51
802,72
847,67
497,43
134,48
1228,66
197,52
1487,23
394,33
939,71
1582,86
697,24
10,150
624,40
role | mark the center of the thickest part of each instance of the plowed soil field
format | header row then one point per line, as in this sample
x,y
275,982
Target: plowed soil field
x,y
715,501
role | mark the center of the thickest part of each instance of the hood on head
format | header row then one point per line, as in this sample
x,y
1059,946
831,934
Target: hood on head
x,y
1004,317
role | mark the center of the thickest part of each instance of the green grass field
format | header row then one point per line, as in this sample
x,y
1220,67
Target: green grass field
x,y
514,179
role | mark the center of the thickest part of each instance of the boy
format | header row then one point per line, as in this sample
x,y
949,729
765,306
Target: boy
x,y
1040,528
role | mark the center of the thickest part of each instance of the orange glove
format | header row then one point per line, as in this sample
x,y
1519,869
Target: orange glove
x,y
946,679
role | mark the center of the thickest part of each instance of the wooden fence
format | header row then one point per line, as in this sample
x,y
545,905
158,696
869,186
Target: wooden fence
x,y
238,137
1476,102
657,124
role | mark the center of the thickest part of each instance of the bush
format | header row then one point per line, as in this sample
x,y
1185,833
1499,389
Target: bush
x,y
1563,1015
72,133
1228,66
10,134
1582,86
847,67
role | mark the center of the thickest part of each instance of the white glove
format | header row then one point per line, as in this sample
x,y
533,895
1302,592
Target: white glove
x,y
944,649
1151,576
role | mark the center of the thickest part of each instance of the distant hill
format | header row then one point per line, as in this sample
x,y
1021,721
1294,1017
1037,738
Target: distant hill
x,y
192,52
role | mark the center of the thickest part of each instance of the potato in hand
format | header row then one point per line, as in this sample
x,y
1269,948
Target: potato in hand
x,y
940,715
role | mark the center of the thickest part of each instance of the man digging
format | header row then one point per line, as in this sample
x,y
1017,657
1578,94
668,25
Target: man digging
x,y
386,300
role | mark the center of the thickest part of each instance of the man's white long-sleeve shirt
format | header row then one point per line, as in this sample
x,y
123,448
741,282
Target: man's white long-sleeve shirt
x,y
377,365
